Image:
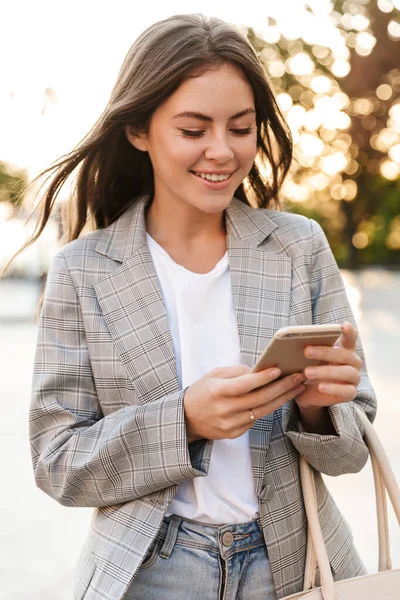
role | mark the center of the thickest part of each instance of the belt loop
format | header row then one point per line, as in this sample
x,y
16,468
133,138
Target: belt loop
x,y
170,538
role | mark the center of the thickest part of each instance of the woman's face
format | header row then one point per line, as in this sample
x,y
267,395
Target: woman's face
x,y
202,141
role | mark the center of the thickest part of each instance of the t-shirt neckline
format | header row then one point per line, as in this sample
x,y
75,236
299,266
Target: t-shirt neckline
x,y
221,265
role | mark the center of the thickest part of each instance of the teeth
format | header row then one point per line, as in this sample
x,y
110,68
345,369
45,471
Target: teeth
x,y
213,176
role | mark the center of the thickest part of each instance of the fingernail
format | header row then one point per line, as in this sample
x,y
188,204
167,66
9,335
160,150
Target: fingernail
x,y
275,373
299,389
309,352
297,378
310,372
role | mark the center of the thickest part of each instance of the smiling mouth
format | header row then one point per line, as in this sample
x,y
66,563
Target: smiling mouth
x,y
213,176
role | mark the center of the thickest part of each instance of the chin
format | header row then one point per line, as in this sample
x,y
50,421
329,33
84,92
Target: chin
x,y
215,205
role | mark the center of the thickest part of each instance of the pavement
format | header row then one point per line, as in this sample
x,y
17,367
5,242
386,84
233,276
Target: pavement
x,y
41,540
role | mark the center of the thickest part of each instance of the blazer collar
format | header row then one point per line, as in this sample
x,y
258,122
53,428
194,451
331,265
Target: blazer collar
x,y
127,234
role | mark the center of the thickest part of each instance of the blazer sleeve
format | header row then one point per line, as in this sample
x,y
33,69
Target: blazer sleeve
x,y
80,457
346,451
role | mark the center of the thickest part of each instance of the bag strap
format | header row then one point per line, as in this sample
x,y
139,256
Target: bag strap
x,y
310,569
385,562
384,479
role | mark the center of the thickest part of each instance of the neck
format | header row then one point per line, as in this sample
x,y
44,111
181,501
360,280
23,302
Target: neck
x,y
193,238
184,225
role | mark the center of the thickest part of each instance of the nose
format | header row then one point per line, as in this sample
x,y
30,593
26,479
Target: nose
x,y
218,149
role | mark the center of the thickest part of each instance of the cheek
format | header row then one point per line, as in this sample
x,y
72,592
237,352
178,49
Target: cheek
x,y
178,151
247,151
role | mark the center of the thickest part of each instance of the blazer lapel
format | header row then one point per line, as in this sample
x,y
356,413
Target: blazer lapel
x,y
131,301
261,288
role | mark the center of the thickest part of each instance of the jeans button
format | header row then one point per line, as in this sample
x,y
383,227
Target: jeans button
x,y
227,538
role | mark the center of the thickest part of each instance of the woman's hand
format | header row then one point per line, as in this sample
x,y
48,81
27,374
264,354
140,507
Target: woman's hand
x,y
218,405
330,383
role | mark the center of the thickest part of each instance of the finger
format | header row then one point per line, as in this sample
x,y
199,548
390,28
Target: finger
x,y
348,338
270,392
250,381
267,408
334,354
342,373
230,371
341,391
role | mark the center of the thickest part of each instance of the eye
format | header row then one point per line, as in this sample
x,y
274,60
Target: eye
x,y
192,133
196,133
242,131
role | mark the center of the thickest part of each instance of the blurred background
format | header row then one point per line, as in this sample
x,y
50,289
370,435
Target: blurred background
x,y
335,68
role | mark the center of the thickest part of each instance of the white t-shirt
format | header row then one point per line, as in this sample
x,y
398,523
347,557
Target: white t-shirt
x,y
202,322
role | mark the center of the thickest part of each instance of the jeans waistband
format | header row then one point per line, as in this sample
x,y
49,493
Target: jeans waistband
x,y
221,539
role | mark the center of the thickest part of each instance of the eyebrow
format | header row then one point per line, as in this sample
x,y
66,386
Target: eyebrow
x,y
199,116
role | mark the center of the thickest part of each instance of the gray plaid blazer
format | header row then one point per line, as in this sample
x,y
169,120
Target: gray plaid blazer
x,y
107,421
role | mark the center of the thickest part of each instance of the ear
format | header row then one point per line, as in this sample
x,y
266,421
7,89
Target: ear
x,y
138,140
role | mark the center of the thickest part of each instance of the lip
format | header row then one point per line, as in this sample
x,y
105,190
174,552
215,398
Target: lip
x,y
213,171
214,185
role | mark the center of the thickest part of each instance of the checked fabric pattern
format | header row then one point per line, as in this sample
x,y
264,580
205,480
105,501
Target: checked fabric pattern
x,y
107,421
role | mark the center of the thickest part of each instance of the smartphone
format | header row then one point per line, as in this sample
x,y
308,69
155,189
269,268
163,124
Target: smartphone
x,y
286,349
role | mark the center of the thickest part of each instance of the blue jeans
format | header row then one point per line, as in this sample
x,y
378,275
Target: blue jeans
x,y
194,561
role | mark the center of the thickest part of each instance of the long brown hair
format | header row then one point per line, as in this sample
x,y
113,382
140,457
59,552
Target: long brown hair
x,y
111,172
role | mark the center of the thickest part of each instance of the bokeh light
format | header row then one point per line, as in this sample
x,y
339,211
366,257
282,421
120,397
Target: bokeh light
x,y
385,6
300,64
390,170
360,240
394,30
393,238
384,91
340,68
394,153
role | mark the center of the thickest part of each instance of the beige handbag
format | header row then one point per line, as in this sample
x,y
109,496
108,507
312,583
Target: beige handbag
x,y
384,585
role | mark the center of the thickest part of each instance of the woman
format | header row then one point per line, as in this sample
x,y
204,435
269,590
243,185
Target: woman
x,y
143,404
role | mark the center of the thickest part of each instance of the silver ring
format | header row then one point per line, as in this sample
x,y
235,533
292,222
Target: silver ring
x,y
252,417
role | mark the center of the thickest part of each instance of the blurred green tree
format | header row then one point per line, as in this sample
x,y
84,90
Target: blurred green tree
x,y
338,84
13,183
